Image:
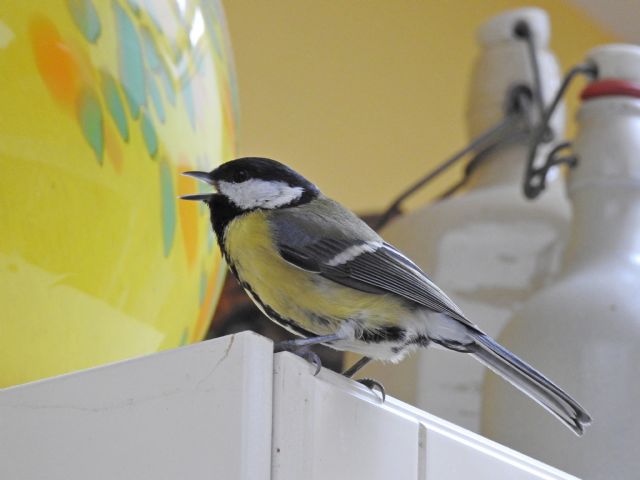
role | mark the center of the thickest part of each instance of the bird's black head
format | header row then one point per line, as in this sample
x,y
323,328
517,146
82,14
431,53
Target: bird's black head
x,y
254,182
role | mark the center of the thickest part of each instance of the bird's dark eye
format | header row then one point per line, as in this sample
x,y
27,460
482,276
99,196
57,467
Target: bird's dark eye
x,y
240,176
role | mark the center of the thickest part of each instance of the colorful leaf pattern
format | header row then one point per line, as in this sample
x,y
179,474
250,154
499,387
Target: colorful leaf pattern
x,y
163,65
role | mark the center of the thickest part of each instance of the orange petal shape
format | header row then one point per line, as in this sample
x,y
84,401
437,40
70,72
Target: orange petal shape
x,y
114,150
56,64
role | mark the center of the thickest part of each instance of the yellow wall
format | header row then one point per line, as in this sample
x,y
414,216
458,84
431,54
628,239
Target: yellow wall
x,y
364,96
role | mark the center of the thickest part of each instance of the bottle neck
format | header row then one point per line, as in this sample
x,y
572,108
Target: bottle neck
x,y
605,187
606,226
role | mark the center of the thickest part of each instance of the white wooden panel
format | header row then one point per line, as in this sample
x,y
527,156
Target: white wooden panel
x,y
448,457
328,427
449,452
198,412
207,412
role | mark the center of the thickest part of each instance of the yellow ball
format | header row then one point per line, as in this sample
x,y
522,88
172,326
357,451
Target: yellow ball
x,y
102,105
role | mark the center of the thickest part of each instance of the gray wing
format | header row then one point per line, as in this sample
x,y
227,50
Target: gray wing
x,y
334,243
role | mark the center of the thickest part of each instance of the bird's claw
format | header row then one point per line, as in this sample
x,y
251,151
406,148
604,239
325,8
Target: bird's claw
x,y
314,359
373,385
302,352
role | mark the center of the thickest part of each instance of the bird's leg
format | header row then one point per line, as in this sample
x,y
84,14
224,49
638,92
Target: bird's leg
x,y
370,383
300,347
351,371
292,345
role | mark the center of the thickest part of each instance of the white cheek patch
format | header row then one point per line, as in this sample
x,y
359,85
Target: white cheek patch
x,y
256,193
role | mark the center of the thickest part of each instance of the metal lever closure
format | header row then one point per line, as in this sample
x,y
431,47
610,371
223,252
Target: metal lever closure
x,y
517,121
535,178
525,116
510,127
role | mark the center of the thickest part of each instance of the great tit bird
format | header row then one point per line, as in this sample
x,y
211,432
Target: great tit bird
x,y
316,269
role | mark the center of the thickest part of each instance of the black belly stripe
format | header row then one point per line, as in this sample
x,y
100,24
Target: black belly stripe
x,y
421,340
222,212
389,333
230,264
270,312
286,323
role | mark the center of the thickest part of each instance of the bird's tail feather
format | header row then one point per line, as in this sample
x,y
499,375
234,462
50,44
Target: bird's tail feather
x,y
531,382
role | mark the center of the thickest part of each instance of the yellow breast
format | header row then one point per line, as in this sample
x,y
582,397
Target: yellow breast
x,y
315,303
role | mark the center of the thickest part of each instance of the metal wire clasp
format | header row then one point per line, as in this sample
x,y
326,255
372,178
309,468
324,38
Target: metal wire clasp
x,y
535,177
525,115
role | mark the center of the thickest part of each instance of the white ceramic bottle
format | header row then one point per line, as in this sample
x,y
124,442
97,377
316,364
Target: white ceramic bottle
x,y
488,248
583,330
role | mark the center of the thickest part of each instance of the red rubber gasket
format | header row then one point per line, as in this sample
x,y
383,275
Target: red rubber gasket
x,y
611,87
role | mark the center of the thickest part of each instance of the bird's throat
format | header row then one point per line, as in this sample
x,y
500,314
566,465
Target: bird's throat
x,y
222,212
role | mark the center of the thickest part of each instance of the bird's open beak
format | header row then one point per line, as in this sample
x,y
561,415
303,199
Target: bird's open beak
x,y
203,176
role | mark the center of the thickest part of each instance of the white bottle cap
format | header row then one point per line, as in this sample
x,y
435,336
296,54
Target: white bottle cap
x,y
504,63
608,139
501,28
620,61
